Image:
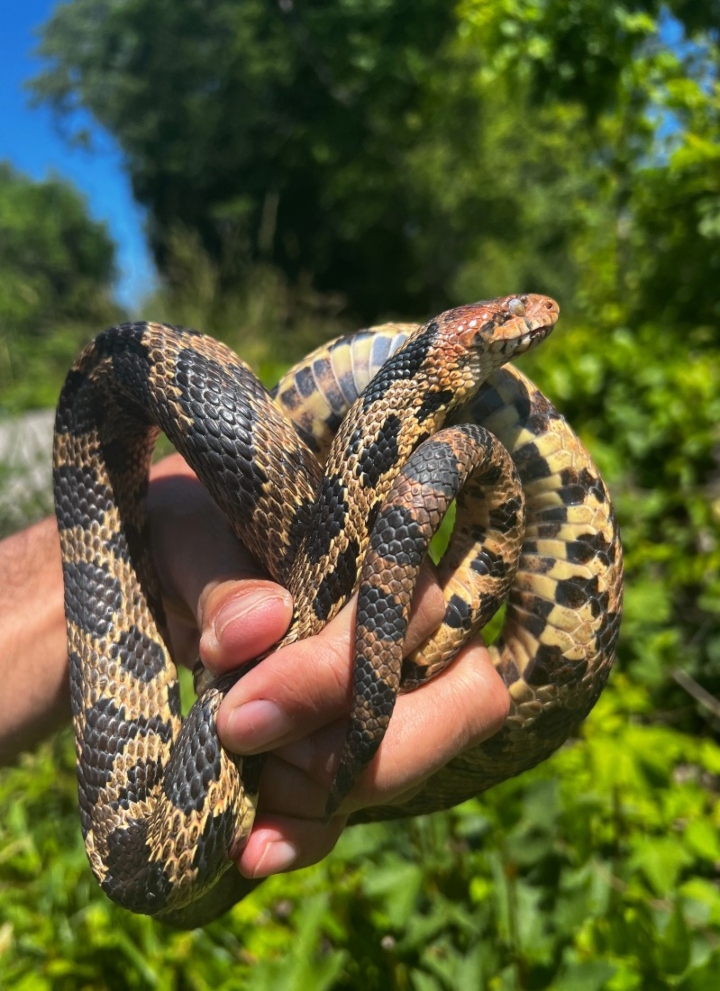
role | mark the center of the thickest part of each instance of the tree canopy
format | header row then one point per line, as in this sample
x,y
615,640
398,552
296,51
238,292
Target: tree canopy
x,y
397,152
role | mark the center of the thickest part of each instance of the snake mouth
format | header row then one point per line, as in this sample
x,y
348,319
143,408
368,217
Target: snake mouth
x,y
513,346
530,340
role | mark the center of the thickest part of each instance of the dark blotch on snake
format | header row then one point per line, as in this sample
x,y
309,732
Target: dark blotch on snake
x,y
403,365
328,519
128,544
217,400
381,454
487,401
488,564
141,778
378,698
337,583
380,614
349,389
104,733
530,463
575,483
587,546
145,884
81,498
197,753
398,536
507,669
305,382
141,657
373,515
435,464
298,528
432,401
550,665
578,592
506,517
130,362
93,597
540,415
290,398
458,614
536,612
75,409
216,840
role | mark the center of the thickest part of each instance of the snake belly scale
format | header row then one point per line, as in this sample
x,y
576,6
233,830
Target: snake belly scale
x,y
335,481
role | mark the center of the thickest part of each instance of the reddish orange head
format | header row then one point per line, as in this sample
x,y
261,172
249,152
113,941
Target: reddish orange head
x,y
501,328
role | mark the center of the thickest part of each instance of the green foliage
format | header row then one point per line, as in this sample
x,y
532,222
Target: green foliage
x,y
595,871
290,94
404,156
57,269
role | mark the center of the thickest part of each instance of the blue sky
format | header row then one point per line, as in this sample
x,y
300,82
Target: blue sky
x,y
30,141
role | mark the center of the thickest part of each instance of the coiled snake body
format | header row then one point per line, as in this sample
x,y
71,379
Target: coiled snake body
x,y
163,806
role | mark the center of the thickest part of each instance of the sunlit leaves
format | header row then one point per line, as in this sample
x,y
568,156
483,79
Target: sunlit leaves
x,y
56,270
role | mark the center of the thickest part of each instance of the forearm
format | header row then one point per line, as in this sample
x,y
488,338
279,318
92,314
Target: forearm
x,y
34,697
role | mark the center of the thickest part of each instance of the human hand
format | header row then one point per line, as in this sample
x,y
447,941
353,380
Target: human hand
x,y
295,703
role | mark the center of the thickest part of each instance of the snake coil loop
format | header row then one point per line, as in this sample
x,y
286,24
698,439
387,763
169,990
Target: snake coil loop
x,y
334,482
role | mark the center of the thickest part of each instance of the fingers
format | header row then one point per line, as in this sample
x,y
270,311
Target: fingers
x,y
278,844
241,620
459,709
455,711
307,684
295,703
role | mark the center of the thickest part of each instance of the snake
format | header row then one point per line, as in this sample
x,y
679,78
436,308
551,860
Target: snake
x,y
335,481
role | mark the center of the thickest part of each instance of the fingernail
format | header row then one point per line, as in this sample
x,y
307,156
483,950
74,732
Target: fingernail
x,y
255,726
276,857
237,610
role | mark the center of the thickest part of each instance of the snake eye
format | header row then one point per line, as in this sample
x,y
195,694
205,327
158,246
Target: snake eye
x,y
516,307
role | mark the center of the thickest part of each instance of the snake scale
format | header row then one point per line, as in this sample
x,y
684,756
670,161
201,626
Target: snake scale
x,y
335,481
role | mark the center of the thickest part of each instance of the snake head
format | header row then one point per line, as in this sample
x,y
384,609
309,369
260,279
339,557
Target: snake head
x,y
494,331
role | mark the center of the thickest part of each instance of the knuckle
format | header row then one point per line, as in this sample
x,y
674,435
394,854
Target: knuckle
x,y
320,681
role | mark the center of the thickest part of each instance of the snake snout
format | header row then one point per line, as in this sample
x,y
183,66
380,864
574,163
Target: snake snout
x,y
540,311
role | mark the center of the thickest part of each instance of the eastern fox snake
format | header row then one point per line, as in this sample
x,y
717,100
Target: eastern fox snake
x,y
163,806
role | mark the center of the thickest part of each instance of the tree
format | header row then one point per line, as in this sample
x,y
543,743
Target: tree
x,y
57,266
376,147
277,131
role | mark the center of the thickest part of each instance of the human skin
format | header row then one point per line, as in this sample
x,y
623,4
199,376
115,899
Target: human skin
x,y
294,704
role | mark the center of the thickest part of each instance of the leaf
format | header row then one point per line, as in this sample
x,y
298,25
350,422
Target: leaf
x,y
701,837
674,946
589,975
660,859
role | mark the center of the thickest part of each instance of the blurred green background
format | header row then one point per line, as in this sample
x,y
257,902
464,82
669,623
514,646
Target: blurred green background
x,y
308,167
